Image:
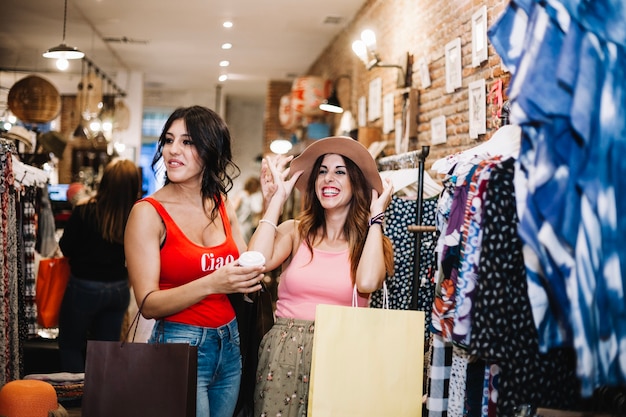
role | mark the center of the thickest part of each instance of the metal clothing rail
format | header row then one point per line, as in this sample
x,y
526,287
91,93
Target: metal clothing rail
x,y
404,157
417,229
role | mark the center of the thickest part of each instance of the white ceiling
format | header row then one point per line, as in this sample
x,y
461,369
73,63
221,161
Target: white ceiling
x,y
175,44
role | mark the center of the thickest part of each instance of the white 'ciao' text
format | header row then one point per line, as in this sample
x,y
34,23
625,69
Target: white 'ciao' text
x,y
210,263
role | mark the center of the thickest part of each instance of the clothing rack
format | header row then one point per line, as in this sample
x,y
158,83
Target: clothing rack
x,y
26,175
417,229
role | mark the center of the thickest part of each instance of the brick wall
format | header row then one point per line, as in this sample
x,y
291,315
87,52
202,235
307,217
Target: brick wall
x,y
272,129
421,28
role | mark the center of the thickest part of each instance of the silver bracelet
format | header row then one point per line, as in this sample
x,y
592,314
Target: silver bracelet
x,y
269,222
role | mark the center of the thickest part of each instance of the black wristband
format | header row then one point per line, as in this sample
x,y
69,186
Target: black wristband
x,y
377,219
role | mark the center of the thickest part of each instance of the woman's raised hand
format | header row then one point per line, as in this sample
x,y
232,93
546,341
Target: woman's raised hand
x,y
274,173
381,202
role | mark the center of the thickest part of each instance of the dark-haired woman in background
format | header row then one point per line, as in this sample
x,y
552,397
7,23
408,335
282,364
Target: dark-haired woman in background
x,y
97,295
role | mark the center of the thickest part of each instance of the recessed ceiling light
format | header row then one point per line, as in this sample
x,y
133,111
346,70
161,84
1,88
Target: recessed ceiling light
x,y
224,63
227,45
223,77
227,24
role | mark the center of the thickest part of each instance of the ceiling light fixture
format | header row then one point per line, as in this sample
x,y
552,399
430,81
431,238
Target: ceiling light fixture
x,y
63,51
332,103
280,146
62,64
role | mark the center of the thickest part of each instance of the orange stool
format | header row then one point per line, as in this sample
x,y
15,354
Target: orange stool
x,y
28,398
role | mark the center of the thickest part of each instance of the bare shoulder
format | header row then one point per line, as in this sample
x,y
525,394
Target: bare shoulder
x,y
289,229
143,214
288,225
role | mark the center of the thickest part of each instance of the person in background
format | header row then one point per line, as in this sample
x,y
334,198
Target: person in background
x,y
249,205
97,295
337,243
182,243
77,192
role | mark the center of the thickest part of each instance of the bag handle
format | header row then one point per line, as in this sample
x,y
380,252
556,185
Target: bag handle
x,y
135,321
385,296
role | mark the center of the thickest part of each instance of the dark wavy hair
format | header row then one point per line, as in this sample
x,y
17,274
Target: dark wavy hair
x,y
312,216
212,140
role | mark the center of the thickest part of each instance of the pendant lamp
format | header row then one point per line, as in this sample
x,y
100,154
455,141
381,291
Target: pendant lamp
x,y
63,51
332,103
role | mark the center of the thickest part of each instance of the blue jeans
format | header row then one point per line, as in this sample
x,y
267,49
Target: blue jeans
x,y
89,310
219,363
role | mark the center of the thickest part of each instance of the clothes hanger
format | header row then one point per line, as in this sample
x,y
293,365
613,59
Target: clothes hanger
x,y
27,175
504,143
403,181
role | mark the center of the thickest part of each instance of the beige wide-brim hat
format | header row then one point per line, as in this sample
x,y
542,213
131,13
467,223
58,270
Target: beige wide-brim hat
x,y
22,134
340,145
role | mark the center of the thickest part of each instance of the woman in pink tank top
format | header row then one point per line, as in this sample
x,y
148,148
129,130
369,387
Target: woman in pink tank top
x,y
337,242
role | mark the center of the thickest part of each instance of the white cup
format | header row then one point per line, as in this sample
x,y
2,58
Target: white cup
x,y
251,258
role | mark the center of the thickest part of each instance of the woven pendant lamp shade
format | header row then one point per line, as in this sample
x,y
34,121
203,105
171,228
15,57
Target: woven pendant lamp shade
x,y
121,119
34,99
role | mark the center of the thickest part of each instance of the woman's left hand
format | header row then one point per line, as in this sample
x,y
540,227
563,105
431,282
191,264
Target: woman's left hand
x,y
381,202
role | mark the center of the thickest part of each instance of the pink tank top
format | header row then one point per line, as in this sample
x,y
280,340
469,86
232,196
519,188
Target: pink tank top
x,y
183,261
304,283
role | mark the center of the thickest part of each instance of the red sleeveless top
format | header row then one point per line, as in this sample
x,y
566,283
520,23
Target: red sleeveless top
x,y
183,261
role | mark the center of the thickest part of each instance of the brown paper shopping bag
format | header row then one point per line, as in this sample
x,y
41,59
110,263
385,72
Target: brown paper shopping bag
x,y
127,379
367,362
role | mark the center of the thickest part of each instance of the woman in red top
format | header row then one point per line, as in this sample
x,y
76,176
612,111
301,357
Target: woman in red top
x,y
181,244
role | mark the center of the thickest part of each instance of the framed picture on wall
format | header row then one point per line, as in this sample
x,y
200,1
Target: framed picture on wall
x,y
453,65
388,103
479,36
362,115
438,130
477,109
424,74
374,108
399,145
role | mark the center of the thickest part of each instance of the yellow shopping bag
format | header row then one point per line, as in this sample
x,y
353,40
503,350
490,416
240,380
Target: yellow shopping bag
x,y
367,362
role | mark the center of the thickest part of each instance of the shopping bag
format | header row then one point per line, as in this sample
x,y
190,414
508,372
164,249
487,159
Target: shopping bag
x,y
52,278
140,379
127,379
367,362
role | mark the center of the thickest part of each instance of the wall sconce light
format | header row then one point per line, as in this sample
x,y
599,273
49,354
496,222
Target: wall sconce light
x,y
332,103
62,51
365,49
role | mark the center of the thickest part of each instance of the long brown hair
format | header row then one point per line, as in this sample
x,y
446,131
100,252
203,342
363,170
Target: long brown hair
x,y
312,217
119,189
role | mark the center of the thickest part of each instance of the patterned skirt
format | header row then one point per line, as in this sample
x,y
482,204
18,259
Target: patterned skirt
x,y
282,385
